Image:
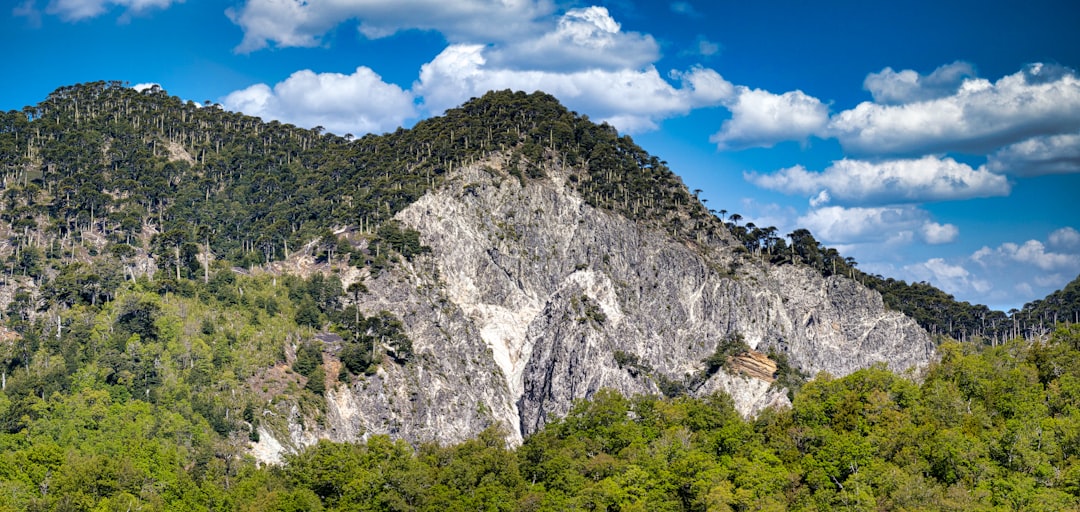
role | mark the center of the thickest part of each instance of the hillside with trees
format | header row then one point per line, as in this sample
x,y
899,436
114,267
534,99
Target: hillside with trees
x,y
986,429
148,335
101,168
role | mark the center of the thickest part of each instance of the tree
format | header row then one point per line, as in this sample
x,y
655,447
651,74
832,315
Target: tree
x,y
168,249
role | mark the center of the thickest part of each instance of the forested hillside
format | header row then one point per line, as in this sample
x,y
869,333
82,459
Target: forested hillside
x,y
990,429
101,158
101,168
149,336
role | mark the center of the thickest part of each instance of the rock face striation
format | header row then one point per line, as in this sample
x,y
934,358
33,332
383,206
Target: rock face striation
x,y
531,299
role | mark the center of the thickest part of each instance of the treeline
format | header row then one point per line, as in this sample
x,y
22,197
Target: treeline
x,y
989,428
103,159
936,311
1061,306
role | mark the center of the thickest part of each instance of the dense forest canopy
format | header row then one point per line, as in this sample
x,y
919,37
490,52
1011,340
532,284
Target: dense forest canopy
x,y
987,429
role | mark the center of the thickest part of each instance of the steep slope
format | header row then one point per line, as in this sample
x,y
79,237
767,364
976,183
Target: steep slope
x,y
533,258
529,296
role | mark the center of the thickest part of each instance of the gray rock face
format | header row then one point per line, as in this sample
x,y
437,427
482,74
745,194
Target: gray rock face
x,y
529,293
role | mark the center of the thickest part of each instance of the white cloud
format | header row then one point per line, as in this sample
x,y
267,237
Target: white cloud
x,y
953,279
703,48
928,178
1065,238
583,39
707,48
357,103
1050,280
891,224
1039,100
935,234
821,199
74,10
1029,269
303,23
891,87
144,86
584,59
1052,154
760,118
631,100
1031,252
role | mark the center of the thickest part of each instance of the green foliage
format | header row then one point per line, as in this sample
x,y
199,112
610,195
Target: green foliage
x,y
732,345
991,428
787,376
137,316
308,358
356,357
316,382
405,241
138,394
590,311
308,314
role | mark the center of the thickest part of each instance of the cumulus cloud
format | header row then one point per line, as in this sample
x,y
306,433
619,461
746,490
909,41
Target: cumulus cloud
x,y
935,234
1051,154
821,199
707,48
760,118
144,86
1065,238
303,23
893,88
1005,276
583,58
632,100
1031,252
888,224
929,178
583,39
1037,101
357,103
74,10
953,279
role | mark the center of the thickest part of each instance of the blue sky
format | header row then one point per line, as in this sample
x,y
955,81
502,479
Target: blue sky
x,y
932,141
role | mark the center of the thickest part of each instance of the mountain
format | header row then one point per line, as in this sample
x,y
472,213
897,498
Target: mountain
x,y
505,307
488,267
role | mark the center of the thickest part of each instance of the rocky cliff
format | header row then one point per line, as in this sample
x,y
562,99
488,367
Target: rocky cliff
x,y
531,299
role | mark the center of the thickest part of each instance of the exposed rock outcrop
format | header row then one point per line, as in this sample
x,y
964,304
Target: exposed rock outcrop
x,y
528,293
754,364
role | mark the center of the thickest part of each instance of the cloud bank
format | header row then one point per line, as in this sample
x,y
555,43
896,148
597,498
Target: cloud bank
x,y
760,118
75,10
890,87
889,225
285,23
584,58
980,116
357,103
921,180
